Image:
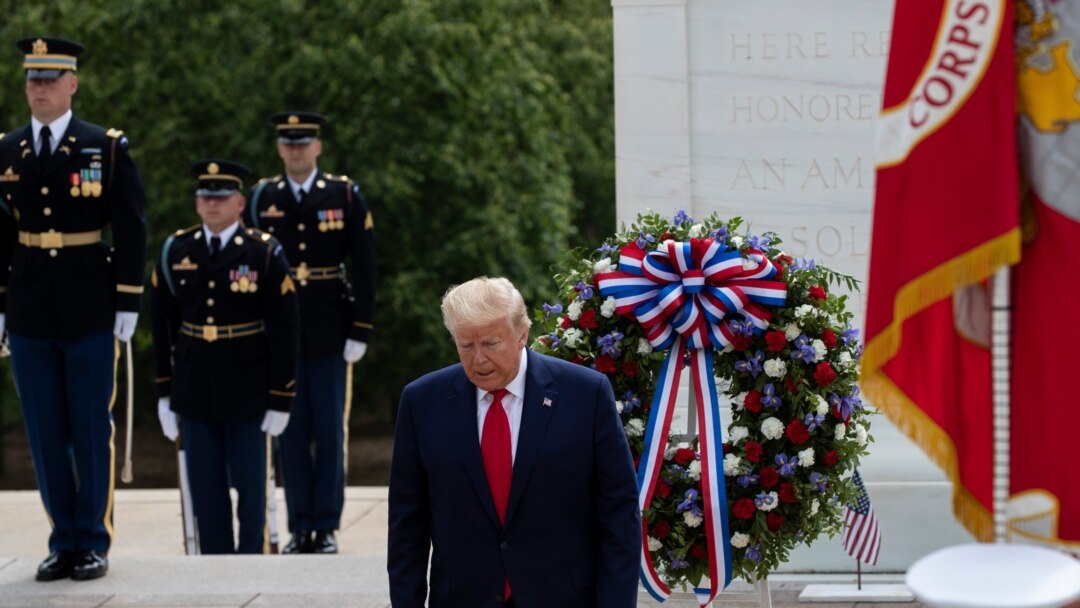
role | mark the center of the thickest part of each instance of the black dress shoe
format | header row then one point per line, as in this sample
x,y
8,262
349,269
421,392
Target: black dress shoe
x,y
325,542
300,543
55,567
89,565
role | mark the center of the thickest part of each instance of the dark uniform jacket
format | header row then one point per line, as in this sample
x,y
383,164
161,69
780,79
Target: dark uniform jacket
x,y
64,291
333,224
225,332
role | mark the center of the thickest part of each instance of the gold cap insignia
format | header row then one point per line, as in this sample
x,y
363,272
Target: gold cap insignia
x,y
294,119
40,47
212,168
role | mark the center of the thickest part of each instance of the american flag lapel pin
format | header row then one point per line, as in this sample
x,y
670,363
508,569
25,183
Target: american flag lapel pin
x,y
547,401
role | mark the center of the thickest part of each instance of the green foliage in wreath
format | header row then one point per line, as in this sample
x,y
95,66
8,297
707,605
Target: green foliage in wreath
x,y
798,426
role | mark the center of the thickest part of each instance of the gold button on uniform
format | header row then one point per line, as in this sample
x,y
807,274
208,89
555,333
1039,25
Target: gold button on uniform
x,y
44,191
210,302
53,253
47,211
211,284
209,320
300,227
302,246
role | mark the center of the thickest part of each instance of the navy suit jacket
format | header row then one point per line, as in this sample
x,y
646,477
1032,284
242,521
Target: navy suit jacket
x,y
572,536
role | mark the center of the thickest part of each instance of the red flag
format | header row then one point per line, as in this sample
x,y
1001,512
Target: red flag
x,y
1045,502
945,218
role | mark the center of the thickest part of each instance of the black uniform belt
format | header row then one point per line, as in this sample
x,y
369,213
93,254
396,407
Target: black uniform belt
x,y
210,333
58,240
312,273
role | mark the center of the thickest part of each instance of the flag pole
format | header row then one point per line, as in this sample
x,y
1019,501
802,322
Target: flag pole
x,y
1000,355
858,574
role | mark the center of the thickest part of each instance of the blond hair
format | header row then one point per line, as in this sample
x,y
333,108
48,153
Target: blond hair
x,y
482,301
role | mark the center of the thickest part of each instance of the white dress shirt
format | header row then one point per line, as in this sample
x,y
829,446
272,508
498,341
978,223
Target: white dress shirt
x,y
58,127
306,185
225,235
512,402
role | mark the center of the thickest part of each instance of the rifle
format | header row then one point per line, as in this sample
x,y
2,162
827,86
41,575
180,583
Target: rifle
x,y
125,473
191,546
271,495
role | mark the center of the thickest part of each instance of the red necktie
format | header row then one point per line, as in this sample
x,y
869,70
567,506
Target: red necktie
x,y
498,461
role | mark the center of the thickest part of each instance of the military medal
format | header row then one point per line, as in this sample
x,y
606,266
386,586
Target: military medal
x,y
85,188
243,280
75,185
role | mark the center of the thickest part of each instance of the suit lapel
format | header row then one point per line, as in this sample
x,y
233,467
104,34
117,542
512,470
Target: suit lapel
x,y
63,147
463,426
540,401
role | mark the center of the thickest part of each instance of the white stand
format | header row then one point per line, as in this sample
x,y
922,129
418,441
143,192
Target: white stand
x,y
853,593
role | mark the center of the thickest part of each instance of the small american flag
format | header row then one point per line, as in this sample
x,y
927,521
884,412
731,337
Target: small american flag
x,y
547,402
862,536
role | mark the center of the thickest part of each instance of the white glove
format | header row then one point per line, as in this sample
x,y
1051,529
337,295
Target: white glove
x,y
125,325
274,422
354,350
170,426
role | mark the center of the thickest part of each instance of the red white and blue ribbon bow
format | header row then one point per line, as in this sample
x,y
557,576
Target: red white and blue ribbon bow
x,y
684,295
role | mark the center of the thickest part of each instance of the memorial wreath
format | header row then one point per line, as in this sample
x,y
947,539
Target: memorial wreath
x,y
752,324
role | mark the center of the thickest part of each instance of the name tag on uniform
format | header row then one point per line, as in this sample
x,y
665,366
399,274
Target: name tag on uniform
x,y
185,264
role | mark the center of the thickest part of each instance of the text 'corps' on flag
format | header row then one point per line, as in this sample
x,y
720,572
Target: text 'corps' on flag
x,y
945,219
862,536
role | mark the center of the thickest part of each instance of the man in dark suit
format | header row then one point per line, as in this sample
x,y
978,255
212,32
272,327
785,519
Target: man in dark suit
x,y
224,316
323,222
66,296
513,467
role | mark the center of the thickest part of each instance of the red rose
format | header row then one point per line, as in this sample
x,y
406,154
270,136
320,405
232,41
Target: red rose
x,y
663,489
629,368
752,401
753,451
787,492
727,447
578,360
587,320
697,551
741,342
774,521
829,338
832,458
776,340
790,384
684,456
824,374
797,433
744,508
605,363
660,529
817,292
768,477
566,323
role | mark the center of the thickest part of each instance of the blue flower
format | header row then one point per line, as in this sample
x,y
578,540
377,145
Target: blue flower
x,y
764,499
631,400
787,465
606,248
803,351
850,335
813,421
753,553
585,292
751,365
741,328
720,234
803,264
677,563
844,406
768,399
550,309
851,402
758,242
690,504
681,218
609,344
818,480
643,240
746,480
554,341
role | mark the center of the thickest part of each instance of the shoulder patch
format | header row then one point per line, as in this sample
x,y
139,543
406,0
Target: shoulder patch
x,y
270,180
338,178
114,133
187,230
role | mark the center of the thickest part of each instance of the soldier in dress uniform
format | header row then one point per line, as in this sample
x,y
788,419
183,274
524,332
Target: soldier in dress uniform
x,y
224,315
65,298
323,221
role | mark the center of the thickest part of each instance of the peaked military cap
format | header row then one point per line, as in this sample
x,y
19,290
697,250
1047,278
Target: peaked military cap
x,y
297,127
215,177
49,58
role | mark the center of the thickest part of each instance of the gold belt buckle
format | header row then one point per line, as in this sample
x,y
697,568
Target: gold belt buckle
x,y
210,333
52,240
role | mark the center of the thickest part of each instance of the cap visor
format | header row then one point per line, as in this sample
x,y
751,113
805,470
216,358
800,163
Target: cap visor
x,y
295,141
208,193
34,74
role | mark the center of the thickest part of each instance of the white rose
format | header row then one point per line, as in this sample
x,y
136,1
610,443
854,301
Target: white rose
x,y
574,310
792,331
607,309
775,368
822,406
860,434
696,231
840,430
772,428
814,506
769,505
692,521
603,265
804,310
740,399
736,242
739,540
571,337
738,433
655,544
643,346
635,428
845,360
731,465
806,457
693,470
819,350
